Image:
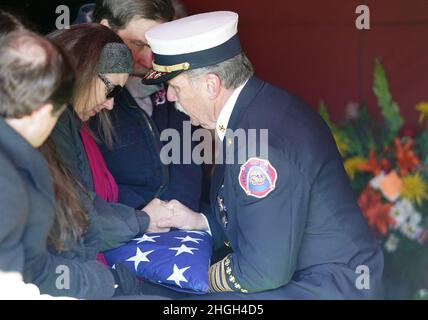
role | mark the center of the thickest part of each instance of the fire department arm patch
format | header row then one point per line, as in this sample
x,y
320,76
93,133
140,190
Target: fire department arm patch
x,y
257,177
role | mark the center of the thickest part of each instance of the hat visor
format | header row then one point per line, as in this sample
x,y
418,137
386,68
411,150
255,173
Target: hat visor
x,y
155,77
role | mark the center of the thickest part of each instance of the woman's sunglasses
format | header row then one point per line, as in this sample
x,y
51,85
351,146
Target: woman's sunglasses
x,y
112,89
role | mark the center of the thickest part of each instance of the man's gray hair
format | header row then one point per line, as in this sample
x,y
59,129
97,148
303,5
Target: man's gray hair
x,y
33,71
232,73
120,13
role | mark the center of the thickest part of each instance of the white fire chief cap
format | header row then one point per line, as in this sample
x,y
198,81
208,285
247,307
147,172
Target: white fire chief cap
x,y
192,42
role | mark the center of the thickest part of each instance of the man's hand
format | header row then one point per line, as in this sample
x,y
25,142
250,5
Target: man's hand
x,y
157,210
183,218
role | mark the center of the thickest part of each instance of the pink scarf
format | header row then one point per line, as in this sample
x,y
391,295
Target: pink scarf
x,y
104,184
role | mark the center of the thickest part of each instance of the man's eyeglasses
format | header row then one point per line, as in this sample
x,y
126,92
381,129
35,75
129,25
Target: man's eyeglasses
x,y
112,89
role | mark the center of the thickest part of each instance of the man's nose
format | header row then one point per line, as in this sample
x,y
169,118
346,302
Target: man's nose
x,y
150,57
145,58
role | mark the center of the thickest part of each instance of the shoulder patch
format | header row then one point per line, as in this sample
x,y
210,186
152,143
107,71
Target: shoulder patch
x,y
257,177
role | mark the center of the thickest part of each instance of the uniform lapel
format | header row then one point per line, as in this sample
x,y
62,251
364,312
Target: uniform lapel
x,y
218,174
160,110
250,90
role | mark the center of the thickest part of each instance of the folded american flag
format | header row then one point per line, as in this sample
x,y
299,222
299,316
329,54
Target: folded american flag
x,y
177,259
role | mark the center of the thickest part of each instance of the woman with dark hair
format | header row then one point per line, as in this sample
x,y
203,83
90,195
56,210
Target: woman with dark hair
x,y
102,63
71,221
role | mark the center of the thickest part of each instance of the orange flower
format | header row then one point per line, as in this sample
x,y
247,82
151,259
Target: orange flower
x,y
376,212
407,161
374,166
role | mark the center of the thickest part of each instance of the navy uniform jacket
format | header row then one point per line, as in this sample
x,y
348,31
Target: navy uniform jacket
x,y
135,159
297,231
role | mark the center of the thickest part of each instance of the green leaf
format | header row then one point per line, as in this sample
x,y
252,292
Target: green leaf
x,y
390,109
323,111
340,135
359,132
421,146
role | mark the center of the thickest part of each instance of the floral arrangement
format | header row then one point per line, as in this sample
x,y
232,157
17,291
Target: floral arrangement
x,y
388,169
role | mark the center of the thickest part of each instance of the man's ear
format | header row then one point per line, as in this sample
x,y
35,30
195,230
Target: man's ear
x,y
213,85
105,23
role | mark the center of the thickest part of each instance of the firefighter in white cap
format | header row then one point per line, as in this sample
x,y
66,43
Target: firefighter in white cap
x,y
289,216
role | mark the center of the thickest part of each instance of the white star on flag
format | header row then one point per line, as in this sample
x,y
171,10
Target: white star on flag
x,y
183,249
146,238
177,275
188,239
198,232
140,257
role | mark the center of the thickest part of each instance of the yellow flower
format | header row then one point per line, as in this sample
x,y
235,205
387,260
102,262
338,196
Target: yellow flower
x,y
423,110
341,143
414,188
352,164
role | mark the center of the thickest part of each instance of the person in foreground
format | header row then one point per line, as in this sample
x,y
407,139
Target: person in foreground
x,y
36,80
287,212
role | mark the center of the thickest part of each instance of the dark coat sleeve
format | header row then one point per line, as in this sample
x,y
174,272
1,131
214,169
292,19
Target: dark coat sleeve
x,y
86,280
119,223
14,210
216,230
59,276
270,230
